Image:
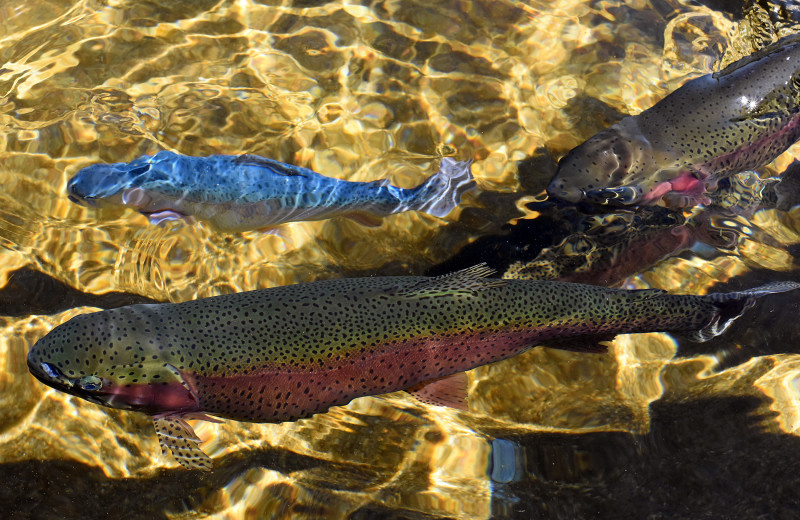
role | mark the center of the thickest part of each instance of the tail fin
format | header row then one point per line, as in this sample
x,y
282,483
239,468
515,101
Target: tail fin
x,y
442,191
732,305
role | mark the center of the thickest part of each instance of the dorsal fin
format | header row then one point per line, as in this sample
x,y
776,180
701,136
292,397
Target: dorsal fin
x,y
465,282
275,166
381,183
646,294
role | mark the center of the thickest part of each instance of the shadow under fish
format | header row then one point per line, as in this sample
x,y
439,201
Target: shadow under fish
x,y
29,292
248,192
284,353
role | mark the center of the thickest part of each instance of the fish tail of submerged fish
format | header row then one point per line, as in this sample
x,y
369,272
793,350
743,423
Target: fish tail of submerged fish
x,y
442,191
729,306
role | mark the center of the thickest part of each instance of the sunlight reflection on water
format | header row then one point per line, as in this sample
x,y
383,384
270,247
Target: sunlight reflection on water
x,y
358,92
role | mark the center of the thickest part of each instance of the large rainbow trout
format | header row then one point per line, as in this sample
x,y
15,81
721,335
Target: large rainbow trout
x,y
738,119
284,353
240,193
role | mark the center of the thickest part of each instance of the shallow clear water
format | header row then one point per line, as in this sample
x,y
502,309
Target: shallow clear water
x,y
363,91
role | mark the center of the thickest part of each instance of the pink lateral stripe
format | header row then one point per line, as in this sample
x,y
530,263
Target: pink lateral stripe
x,y
274,395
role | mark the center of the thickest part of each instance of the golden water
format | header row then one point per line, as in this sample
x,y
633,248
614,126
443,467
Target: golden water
x,y
362,91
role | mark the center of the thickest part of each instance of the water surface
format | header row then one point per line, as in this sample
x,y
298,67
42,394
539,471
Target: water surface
x,y
359,91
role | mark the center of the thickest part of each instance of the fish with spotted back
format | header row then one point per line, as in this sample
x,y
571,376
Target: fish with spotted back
x,y
247,192
284,353
738,119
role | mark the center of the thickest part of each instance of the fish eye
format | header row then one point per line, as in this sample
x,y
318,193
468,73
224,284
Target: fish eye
x,y
52,371
89,383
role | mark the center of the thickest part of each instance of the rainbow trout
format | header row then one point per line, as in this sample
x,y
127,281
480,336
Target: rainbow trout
x,y
738,119
239,193
279,354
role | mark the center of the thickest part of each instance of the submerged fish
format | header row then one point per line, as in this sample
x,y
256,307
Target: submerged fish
x,y
239,193
605,249
738,119
280,354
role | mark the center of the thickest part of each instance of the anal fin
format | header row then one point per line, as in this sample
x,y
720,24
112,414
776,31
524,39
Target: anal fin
x,y
176,436
449,391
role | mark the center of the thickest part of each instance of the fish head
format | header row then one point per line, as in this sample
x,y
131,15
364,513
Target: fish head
x,y
107,184
615,167
89,358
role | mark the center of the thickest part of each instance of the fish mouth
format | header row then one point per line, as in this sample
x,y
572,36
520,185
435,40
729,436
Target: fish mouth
x,y
49,374
618,196
623,195
562,191
79,199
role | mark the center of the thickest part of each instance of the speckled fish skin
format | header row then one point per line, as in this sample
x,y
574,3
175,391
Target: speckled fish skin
x,y
738,119
280,354
287,352
239,193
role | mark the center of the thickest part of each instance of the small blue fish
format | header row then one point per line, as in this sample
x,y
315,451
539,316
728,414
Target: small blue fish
x,y
239,193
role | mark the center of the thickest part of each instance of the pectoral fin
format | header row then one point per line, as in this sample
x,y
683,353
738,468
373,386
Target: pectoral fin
x,y
449,391
164,215
175,435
